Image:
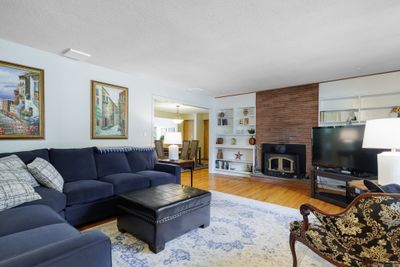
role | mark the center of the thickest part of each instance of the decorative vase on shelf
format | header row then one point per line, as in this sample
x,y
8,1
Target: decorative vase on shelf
x,y
220,154
251,131
220,141
233,141
245,112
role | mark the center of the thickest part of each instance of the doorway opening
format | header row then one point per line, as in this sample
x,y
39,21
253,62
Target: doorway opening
x,y
190,121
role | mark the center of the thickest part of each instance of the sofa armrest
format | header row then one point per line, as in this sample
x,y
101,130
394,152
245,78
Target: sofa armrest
x,y
90,249
169,168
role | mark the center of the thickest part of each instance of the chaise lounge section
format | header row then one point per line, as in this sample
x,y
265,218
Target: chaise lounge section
x,y
92,180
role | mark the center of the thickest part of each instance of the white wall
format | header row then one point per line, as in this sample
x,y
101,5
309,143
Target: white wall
x,y
67,100
374,84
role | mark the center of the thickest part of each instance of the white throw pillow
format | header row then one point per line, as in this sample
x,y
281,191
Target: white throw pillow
x,y
14,163
46,174
14,191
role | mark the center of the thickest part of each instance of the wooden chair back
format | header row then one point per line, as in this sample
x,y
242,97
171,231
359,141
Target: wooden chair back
x,y
185,149
159,146
194,145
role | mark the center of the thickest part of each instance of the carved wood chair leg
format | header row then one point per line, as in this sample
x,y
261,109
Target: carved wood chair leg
x,y
292,241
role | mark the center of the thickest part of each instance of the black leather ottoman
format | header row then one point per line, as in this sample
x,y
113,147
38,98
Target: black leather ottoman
x,y
162,213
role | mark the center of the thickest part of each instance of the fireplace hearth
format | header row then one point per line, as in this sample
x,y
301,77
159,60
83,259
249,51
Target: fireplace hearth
x,y
284,160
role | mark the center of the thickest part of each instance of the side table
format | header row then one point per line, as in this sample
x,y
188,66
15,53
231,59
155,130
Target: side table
x,y
184,164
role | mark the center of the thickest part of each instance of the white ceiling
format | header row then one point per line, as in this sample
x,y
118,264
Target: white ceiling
x,y
222,46
170,106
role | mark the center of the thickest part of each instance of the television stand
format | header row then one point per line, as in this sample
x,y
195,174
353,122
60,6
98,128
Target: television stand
x,y
333,187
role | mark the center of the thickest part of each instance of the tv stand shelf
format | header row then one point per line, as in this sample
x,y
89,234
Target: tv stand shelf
x,y
338,194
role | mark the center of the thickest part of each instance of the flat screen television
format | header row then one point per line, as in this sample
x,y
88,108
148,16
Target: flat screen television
x,y
340,147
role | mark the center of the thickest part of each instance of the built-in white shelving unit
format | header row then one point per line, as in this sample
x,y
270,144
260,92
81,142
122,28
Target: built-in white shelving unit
x,y
233,129
338,110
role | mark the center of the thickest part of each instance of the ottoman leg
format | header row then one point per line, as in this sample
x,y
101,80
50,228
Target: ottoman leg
x,y
205,225
157,247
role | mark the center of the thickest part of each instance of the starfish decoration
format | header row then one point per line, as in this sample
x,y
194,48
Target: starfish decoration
x,y
238,155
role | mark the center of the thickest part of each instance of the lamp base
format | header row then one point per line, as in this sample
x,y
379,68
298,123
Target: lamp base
x,y
173,152
389,168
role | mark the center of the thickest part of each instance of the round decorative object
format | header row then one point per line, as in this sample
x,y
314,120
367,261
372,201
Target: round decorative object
x,y
221,115
245,112
233,141
252,140
220,141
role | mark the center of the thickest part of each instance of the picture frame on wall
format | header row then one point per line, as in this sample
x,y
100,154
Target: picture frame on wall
x,y
21,102
109,111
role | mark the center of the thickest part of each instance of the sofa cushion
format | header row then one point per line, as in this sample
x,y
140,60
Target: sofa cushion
x,y
24,218
50,197
46,174
15,244
85,191
126,182
110,163
158,178
14,163
141,159
28,156
14,192
74,164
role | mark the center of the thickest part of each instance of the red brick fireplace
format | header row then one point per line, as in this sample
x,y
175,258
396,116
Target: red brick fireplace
x,y
286,116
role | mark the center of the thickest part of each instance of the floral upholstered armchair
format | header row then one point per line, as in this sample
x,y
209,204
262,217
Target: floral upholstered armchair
x,y
366,233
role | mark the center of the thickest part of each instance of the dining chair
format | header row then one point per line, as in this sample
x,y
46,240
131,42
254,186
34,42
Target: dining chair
x,y
159,146
194,145
185,149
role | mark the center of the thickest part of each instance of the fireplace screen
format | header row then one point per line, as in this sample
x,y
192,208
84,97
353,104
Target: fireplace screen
x,y
281,164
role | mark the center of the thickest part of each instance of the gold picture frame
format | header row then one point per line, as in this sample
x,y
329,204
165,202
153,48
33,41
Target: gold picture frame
x,y
109,111
21,102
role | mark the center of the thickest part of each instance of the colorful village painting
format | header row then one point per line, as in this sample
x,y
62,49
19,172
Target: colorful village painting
x,y
21,102
109,111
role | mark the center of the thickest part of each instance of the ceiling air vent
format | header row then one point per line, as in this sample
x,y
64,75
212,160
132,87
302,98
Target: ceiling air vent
x,y
75,54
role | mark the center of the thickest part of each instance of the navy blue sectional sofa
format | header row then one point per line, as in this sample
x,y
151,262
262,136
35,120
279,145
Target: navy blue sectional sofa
x,y
41,231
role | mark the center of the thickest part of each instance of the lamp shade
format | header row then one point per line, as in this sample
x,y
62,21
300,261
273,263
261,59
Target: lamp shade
x,y
173,138
382,133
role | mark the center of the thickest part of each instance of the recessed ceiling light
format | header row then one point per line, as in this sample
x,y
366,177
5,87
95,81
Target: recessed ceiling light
x,y
195,89
76,54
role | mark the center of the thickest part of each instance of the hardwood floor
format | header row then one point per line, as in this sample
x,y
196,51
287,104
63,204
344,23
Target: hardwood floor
x,y
273,192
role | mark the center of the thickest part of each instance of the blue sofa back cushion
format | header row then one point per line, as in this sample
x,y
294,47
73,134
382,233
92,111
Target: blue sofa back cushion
x,y
142,159
111,163
74,164
28,156
50,197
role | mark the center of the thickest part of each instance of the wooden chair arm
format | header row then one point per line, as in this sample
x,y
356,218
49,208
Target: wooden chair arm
x,y
305,210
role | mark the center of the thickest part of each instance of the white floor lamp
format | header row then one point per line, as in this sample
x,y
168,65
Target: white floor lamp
x,y
173,139
385,134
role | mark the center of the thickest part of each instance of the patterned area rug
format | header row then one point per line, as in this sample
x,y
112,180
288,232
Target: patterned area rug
x,y
243,232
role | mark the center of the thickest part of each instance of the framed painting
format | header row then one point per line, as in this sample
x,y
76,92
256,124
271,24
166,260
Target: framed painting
x,y
109,111
21,102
